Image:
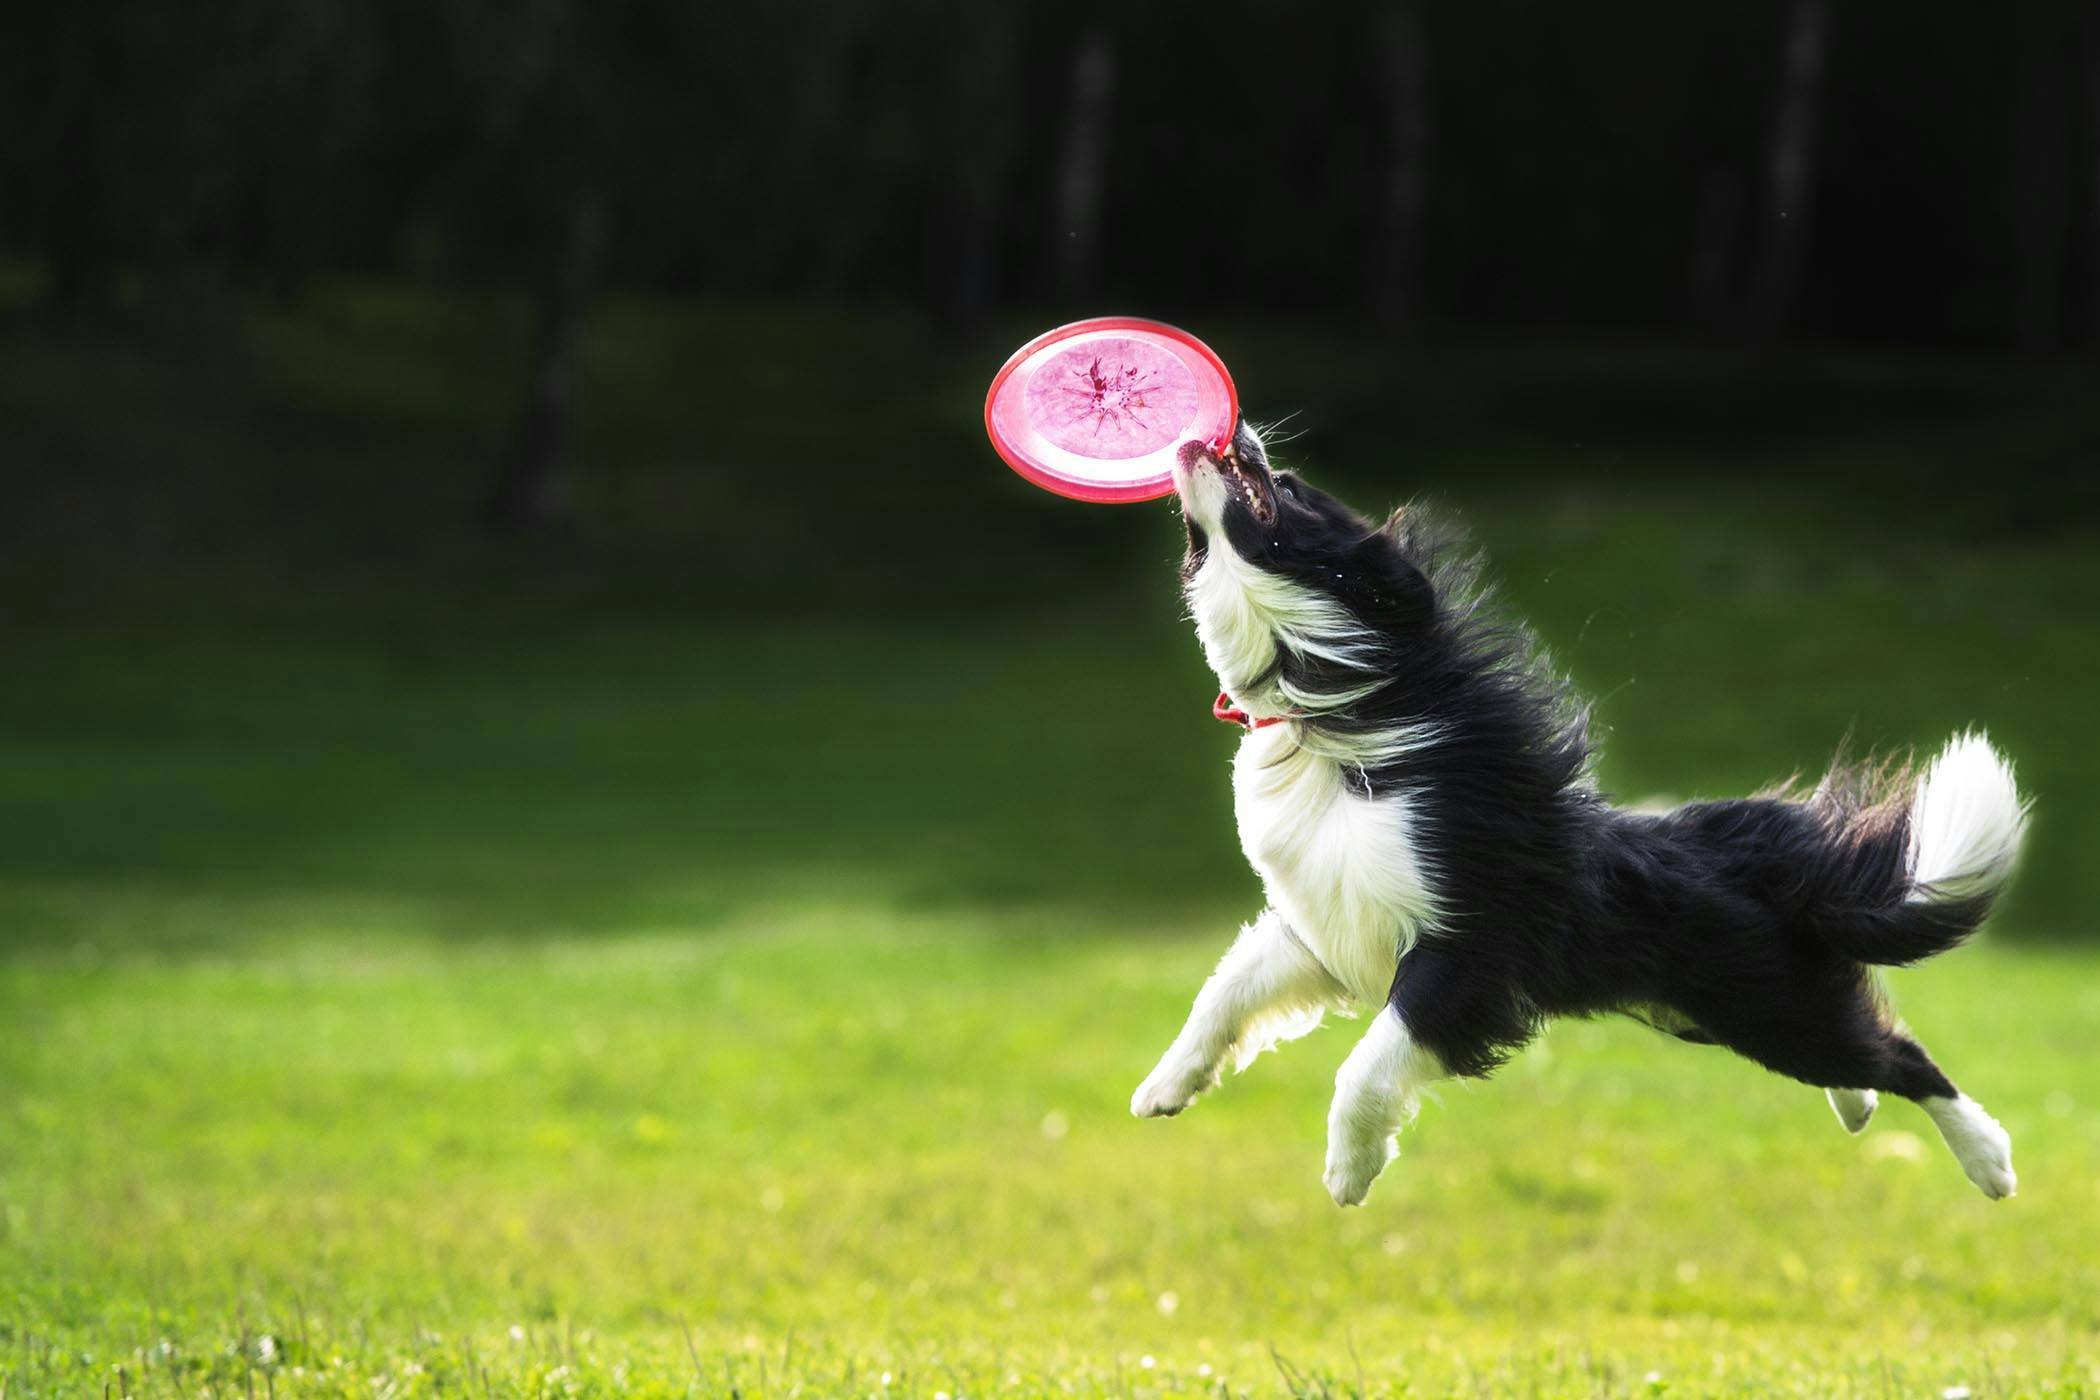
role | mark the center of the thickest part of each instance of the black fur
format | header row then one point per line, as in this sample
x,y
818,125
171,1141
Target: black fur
x,y
1747,923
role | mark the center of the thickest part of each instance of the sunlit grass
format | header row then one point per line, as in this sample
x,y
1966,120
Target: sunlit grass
x,y
824,1144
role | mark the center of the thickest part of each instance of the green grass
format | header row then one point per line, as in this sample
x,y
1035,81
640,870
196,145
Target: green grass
x,y
830,1143
648,962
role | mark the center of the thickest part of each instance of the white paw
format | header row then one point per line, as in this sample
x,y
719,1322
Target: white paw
x,y
1170,1088
1853,1106
1978,1142
1986,1155
1352,1167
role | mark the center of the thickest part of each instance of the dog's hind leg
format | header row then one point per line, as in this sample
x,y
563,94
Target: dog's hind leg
x,y
1268,987
1976,1139
1827,1027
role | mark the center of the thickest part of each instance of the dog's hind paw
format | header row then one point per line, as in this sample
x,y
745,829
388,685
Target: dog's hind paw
x,y
1853,1107
1987,1159
1996,1180
1978,1142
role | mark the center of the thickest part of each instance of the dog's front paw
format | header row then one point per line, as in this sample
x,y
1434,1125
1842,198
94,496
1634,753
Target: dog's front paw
x,y
1353,1166
1170,1088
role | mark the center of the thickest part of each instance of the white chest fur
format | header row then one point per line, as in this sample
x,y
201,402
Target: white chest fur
x,y
1344,870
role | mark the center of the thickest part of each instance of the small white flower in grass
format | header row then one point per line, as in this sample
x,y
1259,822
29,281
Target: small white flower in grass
x,y
1955,1392
266,1349
1653,1378
1146,1362
885,1377
1055,1125
940,1395
1169,1303
1204,1369
517,1333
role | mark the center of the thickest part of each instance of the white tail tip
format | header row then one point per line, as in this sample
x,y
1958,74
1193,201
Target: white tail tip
x,y
1965,822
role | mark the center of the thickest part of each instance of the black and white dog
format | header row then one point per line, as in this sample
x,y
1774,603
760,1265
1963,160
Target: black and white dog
x,y
1414,790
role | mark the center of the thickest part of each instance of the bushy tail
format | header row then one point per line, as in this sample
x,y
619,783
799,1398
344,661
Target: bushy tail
x,y
1906,879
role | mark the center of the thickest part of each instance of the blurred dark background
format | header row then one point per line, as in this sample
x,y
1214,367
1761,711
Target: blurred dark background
x,y
1872,174
547,433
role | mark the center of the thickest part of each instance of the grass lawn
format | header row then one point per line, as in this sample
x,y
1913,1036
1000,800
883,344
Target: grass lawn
x,y
823,1144
654,965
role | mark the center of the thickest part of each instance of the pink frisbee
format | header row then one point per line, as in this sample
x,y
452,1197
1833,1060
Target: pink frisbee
x,y
1098,409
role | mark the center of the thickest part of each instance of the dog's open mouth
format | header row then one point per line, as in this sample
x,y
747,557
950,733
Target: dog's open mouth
x,y
1246,480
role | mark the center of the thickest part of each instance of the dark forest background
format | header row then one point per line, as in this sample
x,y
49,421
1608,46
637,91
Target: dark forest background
x,y
1866,172
452,339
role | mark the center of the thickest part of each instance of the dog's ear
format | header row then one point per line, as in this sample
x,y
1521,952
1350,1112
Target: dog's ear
x,y
1386,587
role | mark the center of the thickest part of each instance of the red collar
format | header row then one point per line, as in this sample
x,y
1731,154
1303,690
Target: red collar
x,y
1223,708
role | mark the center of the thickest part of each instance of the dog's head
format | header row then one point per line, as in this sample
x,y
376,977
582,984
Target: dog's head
x,y
1300,602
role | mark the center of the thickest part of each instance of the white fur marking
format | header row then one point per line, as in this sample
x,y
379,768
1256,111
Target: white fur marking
x,y
1374,1097
1853,1107
1965,822
1267,988
1244,613
1983,1148
1343,868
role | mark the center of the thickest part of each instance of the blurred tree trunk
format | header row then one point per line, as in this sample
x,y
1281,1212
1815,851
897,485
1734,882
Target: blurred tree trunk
x,y
79,246
2040,199
1790,171
2092,81
1403,68
80,232
533,487
977,129
1082,163
959,249
1715,241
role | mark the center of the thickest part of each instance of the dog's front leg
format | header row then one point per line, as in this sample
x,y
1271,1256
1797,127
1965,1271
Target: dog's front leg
x,y
1268,987
1374,1097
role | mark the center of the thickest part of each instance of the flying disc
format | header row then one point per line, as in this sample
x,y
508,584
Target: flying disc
x,y
1098,410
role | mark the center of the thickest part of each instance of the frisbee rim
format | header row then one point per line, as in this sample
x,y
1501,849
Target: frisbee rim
x,y
1103,492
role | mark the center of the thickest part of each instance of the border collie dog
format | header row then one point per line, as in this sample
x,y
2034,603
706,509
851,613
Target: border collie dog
x,y
1414,790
